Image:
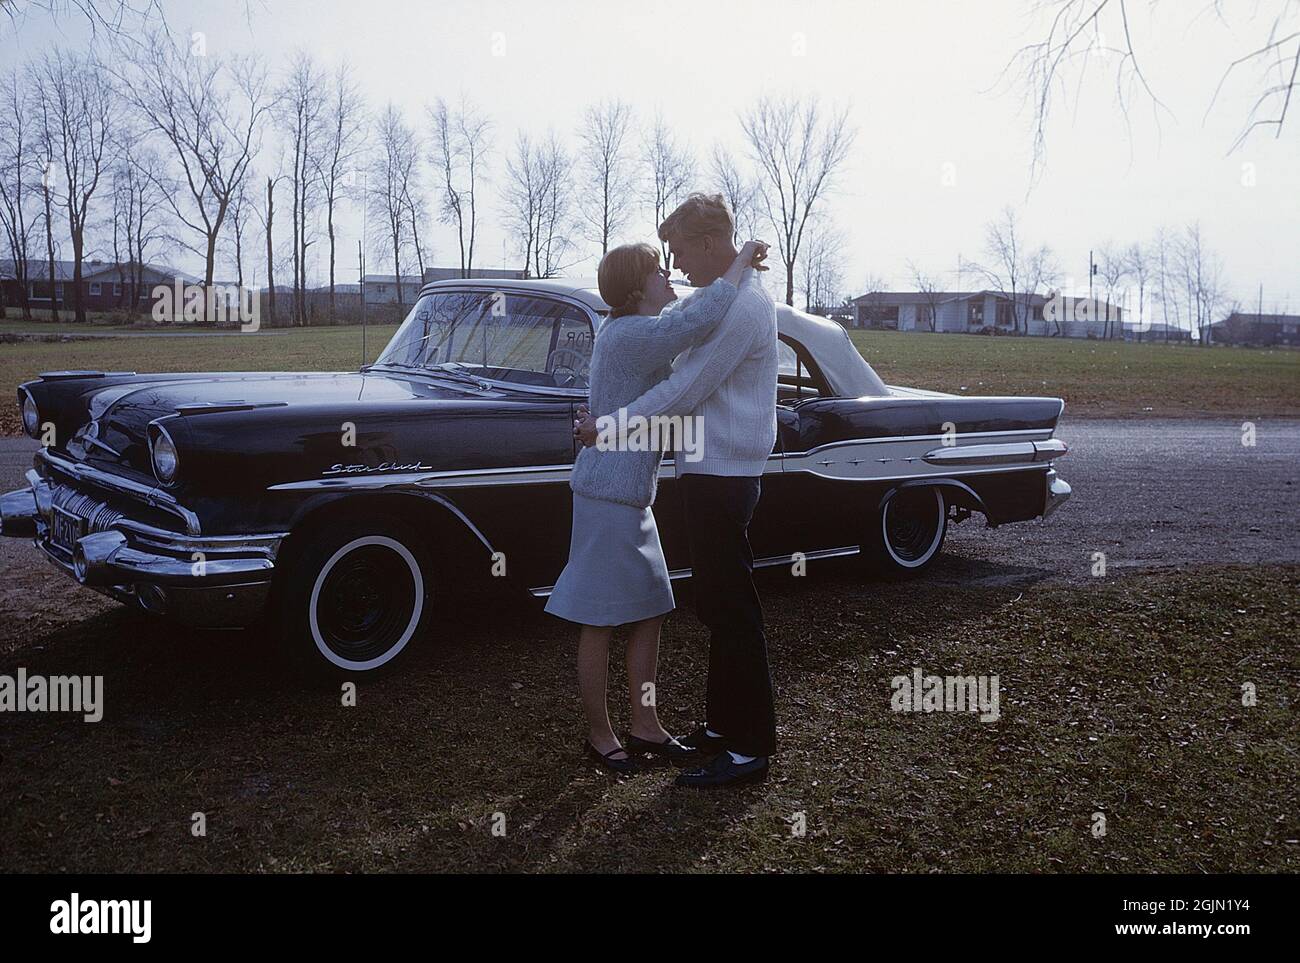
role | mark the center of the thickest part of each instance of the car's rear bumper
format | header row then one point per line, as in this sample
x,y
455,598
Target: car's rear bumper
x,y
202,580
1058,491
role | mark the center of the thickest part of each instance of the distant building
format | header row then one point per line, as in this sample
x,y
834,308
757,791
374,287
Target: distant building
x,y
1159,332
451,273
970,312
105,285
382,288
1259,329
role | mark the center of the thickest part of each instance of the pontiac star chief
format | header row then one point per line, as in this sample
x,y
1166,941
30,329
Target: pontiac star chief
x,y
338,507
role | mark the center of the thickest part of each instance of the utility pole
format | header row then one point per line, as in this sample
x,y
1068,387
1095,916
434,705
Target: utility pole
x,y
1092,302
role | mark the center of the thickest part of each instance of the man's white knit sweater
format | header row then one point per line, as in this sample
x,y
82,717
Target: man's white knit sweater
x,y
729,382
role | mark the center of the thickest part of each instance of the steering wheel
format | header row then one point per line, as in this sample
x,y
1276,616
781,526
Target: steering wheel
x,y
568,367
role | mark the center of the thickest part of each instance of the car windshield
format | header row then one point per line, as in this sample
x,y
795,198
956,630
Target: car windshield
x,y
517,338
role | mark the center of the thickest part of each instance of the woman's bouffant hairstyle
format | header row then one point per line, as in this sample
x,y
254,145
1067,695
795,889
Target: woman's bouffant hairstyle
x,y
621,276
700,215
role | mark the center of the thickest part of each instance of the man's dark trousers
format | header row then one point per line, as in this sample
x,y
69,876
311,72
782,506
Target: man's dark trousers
x,y
717,510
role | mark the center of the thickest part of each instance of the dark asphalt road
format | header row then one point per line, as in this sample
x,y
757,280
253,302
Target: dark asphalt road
x,y
1149,494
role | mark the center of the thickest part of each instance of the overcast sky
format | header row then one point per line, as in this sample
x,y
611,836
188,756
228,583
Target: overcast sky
x,y
921,79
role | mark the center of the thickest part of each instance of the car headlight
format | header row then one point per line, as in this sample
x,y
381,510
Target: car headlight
x,y
31,416
166,461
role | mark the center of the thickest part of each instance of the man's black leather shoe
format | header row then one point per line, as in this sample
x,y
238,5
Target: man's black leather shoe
x,y
722,770
703,743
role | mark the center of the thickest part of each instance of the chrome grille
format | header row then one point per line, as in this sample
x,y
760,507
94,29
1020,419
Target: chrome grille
x,y
99,516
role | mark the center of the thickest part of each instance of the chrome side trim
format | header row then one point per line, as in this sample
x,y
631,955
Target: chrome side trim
x,y
530,475
997,454
543,591
464,519
465,478
774,466
1029,433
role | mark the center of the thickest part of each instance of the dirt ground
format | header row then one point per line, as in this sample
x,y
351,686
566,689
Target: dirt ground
x,y
1122,698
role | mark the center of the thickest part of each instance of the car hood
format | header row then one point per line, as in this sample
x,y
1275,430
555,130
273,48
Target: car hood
x,y
108,418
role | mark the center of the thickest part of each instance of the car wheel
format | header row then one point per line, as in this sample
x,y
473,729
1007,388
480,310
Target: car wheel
x,y
358,597
907,533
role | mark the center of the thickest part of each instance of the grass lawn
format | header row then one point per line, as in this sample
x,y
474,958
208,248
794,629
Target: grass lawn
x,y
313,349
1122,698
1096,379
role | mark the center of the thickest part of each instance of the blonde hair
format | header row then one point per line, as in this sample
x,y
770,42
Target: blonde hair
x,y
621,276
700,215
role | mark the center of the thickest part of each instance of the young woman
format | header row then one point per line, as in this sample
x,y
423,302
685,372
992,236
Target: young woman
x,y
616,574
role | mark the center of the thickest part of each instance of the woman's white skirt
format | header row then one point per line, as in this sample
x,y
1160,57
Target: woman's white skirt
x,y
616,572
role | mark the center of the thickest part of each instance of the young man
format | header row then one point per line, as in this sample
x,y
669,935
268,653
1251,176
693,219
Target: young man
x,y
728,382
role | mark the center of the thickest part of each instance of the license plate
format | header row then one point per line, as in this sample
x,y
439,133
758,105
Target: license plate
x,y
67,529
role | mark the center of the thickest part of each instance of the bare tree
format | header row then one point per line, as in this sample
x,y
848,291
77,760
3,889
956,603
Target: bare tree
x,y
1163,264
137,210
209,111
79,111
556,223
929,287
267,216
417,213
19,173
344,132
49,178
300,106
538,195
1006,267
668,170
1138,265
799,151
741,194
1015,269
1075,32
389,186
522,198
874,289
114,17
822,270
240,211
1042,272
1112,268
460,146
1201,272
606,170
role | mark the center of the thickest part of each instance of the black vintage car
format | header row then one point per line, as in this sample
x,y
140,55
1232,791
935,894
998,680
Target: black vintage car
x,y
338,506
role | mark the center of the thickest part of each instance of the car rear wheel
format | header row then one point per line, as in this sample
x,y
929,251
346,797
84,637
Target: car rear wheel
x,y
905,537
357,597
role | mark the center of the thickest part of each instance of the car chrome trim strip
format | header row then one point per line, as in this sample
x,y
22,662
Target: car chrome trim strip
x,y
543,591
560,474
464,519
1031,433
997,454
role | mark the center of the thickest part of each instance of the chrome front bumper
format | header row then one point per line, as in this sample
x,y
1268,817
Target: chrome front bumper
x,y
212,581
1058,490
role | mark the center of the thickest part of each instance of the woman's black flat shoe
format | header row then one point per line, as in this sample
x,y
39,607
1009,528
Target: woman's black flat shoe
x,y
672,750
622,767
